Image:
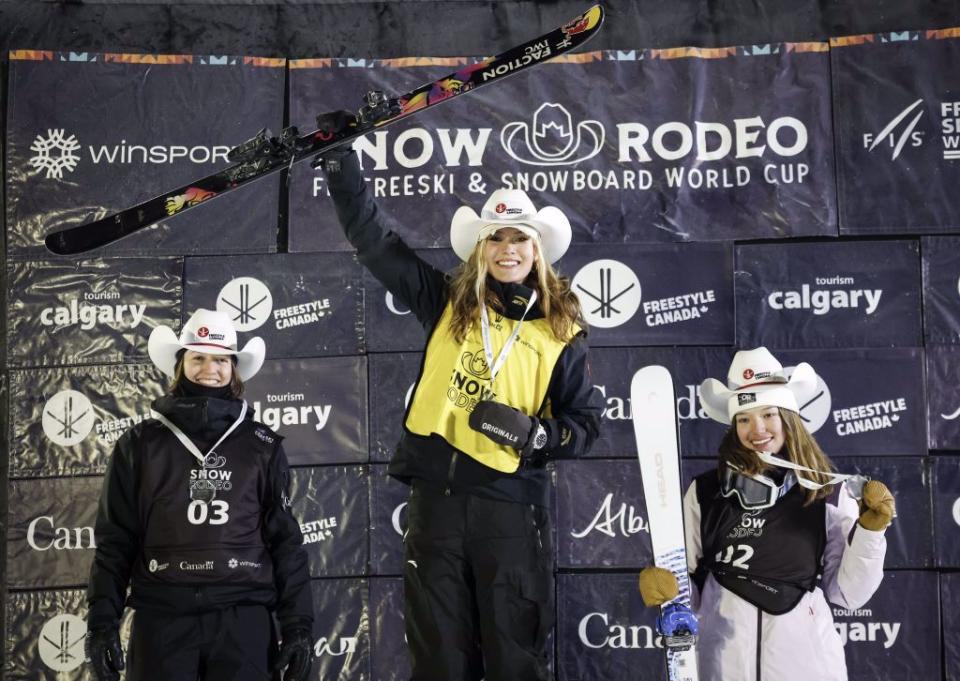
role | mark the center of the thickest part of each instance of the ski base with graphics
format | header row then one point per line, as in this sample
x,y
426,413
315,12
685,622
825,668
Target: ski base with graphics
x,y
653,405
264,154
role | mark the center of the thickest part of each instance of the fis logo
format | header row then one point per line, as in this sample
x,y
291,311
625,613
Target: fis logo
x,y
553,142
55,153
609,292
897,136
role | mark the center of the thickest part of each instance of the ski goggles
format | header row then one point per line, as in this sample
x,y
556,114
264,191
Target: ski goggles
x,y
758,491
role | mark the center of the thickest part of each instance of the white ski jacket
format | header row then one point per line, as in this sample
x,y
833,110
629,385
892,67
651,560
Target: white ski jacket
x,y
739,642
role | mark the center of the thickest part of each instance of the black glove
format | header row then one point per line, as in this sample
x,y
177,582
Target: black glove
x,y
332,124
103,652
508,426
296,654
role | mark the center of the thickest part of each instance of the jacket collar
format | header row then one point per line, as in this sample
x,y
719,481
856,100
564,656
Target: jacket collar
x,y
513,300
201,417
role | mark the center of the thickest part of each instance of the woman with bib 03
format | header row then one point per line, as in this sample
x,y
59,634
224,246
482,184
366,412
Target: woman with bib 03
x,y
503,387
774,535
195,517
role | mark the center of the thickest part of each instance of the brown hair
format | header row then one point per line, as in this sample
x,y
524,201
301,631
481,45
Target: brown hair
x,y
236,383
468,286
799,446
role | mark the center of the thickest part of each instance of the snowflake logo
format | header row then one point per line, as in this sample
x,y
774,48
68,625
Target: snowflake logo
x,y
55,153
232,563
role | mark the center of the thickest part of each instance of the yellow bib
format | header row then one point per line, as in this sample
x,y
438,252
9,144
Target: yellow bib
x,y
455,375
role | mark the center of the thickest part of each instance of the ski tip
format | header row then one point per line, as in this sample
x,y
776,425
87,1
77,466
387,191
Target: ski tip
x,y
587,23
57,244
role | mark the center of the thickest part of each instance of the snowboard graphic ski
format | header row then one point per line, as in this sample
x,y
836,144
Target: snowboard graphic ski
x,y
653,406
264,155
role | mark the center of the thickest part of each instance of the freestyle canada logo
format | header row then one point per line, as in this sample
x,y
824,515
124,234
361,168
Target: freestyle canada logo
x,y
249,303
67,418
57,152
60,643
318,530
609,292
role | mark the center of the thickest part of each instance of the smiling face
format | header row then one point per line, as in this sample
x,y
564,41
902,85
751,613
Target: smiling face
x,y
213,371
760,429
509,254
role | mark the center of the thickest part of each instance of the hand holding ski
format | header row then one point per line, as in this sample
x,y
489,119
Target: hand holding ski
x,y
265,154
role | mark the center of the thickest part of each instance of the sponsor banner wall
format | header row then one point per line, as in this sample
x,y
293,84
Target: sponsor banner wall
x,y
611,370
50,540
867,402
89,311
699,434
389,660
392,377
90,134
604,631
319,406
946,510
897,131
388,522
45,635
896,634
341,629
655,294
950,610
941,289
910,537
602,517
755,161
390,326
66,421
943,404
828,295
302,306
331,505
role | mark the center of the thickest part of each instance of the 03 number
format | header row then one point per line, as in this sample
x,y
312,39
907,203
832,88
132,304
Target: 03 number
x,y
199,512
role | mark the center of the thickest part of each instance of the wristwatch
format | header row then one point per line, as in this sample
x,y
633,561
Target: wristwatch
x,y
540,439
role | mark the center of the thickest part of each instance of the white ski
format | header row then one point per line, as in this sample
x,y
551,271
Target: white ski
x,y
658,449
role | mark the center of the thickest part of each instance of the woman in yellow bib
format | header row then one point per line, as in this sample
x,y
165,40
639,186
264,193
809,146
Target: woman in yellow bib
x,y
504,387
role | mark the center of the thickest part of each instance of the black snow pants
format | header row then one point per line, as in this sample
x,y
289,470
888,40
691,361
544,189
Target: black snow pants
x,y
235,644
478,588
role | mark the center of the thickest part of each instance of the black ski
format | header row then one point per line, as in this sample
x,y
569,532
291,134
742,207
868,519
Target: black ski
x,y
264,154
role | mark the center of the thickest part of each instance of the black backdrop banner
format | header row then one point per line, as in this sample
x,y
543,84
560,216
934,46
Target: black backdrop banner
x,y
392,376
828,295
897,120
66,421
89,311
946,511
319,406
388,522
331,505
941,289
90,134
950,607
943,402
302,306
724,143
50,540
388,659
341,629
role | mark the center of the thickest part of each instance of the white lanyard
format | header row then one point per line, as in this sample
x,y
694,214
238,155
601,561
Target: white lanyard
x,y
188,443
495,366
857,481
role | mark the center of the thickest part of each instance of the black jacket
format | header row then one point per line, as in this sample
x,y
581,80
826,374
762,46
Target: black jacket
x,y
575,404
120,526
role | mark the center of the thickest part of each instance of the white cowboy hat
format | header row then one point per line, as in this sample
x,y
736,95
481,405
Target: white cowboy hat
x,y
511,208
756,379
209,332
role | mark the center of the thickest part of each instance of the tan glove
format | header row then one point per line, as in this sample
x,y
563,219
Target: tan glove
x,y
877,507
657,586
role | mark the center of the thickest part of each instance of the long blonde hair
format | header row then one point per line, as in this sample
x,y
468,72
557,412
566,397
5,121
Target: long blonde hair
x,y
468,286
800,448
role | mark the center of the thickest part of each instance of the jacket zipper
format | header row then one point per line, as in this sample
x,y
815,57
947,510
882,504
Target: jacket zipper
x,y
759,633
450,471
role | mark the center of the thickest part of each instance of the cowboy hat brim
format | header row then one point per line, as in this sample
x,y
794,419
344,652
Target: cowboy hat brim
x,y
163,346
550,224
721,403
